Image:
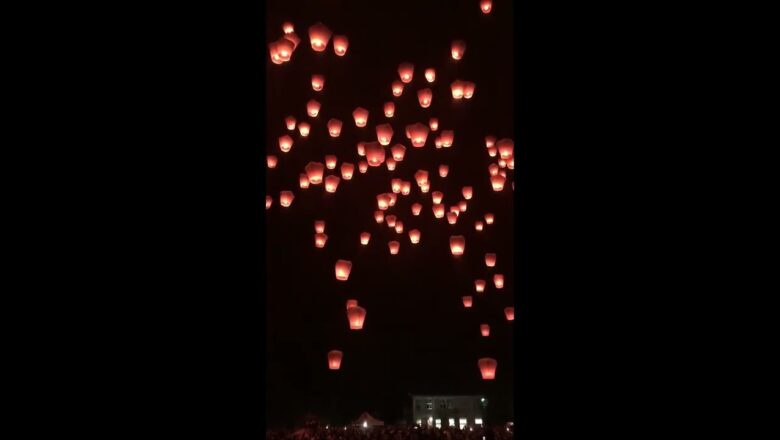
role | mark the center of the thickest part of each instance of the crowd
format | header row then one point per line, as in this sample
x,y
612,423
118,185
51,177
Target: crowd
x,y
391,433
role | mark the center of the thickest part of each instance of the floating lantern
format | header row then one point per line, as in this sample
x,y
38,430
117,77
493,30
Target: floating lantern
x,y
287,27
352,303
498,182
398,151
425,97
390,219
331,161
511,165
444,170
304,128
489,218
398,88
468,301
484,329
390,162
362,166
490,260
286,198
438,210
433,124
389,109
394,246
347,169
314,171
492,151
487,367
361,148
468,89
406,72
340,45
313,108
418,134
361,116
457,244
284,49
436,196
334,359
319,226
462,205
375,154
273,51
332,183
379,216
485,6
271,160
467,192
399,227
478,225
334,127
268,202
395,185
414,236
384,133
294,39
290,122
509,312
493,169
506,148
319,36
364,238
317,82
406,188
479,286
502,163
356,316
458,48
437,142
421,176
393,198
498,280
285,143
457,89
319,240
452,217
416,208
303,181
447,138
490,141
425,187
343,268
382,201
430,74
455,209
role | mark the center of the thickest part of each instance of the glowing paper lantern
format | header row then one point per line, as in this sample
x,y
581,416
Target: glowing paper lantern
x,y
421,176
489,218
293,38
334,127
364,238
468,89
398,151
332,183
390,219
467,192
502,163
406,188
479,286
284,49
490,260
340,45
425,97
285,143
317,82
384,133
457,88
395,185
511,165
436,196
383,201
379,216
389,109
437,142
493,169
361,116
485,6
271,160
414,236
319,36
468,301
314,171
490,141
330,161
457,244
458,48
286,198
398,88
363,166
418,134
452,217
393,198
492,151
303,181
313,108
416,208
498,182
352,303
462,205
356,316
394,246
433,124
509,312
406,72
478,225
375,154
268,202
438,210
455,209
487,367
425,187
444,170
287,27
399,227
361,148
447,138
319,240
304,128
343,268
484,329
289,122
347,169
334,359
319,226
430,74
506,148
390,162
273,51
498,280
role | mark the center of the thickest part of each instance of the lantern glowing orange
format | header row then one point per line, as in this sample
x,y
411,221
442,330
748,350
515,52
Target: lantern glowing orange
x,y
425,97
363,166
395,185
398,151
484,329
319,226
436,196
509,312
430,74
389,109
313,108
458,48
462,205
334,359
487,367
361,116
457,89
287,27
284,49
489,218
361,148
384,133
468,89
452,217
511,165
433,123
437,142
490,141
394,246
390,219
294,39
418,133
347,169
425,187
414,236
467,192
268,202
438,210
382,201
490,259
497,182
375,154
285,143
319,240
304,128
379,216
455,209
485,6
406,72
331,161
319,36
502,163
314,171
479,286
398,88
493,169
406,188
356,316
303,181
340,45
492,151
273,51
444,170
390,162
506,148
478,225
352,303
447,138
343,268
334,127
332,183
393,198
289,122
399,227
271,160
317,82
498,280
457,244
364,238
286,198
416,208
421,176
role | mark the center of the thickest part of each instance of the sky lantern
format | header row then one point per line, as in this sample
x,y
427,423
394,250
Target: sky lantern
x,y
334,127
455,209
334,359
331,161
479,286
390,220
271,160
498,182
288,27
315,171
397,87
362,166
444,170
379,216
452,217
478,225
284,48
394,246
509,312
462,206
485,6
393,198
511,165
416,208
352,303
502,163
406,72
289,122
492,151
430,74
317,82
361,148
458,48
286,198
433,123
313,108
285,143
347,169
293,38
467,192
484,329
457,244
399,227
268,202
490,141
304,128
421,176
340,45
395,185
384,133
438,210
361,116
398,151
414,236
406,188
490,259
319,240
375,154
489,218
506,148
447,138
487,367
418,133
437,142
498,280
356,316
303,181
364,238
425,187
493,169
343,268
319,226
457,89
468,89
389,109
332,183
383,201
390,162
274,53
319,36
425,97
468,301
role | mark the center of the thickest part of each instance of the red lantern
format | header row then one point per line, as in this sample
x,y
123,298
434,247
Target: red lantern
x,y
317,82
384,133
361,116
286,198
375,154
502,163
389,109
492,151
418,134
334,359
467,301
490,260
352,303
294,39
331,161
509,312
468,89
343,268
467,192
487,367
457,244
315,171
390,162
268,202
399,227
479,286
383,201
284,49
393,198
356,316
414,236
485,6
478,225
394,247
425,187
285,143
398,151
290,122
340,45
421,176
361,148
334,127
462,205
457,89
425,97
271,160
313,108
287,27
430,75
303,181
438,210
304,128
458,49
436,196
390,219
363,166
437,142
498,182
493,169
398,88
489,218
506,148
395,185
498,280
273,50
364,238
319,36
484,329
444,170
347,169
319,226
490,141
416,208
406,72
379,216
433,124
406,188
447,138
320,240
452,217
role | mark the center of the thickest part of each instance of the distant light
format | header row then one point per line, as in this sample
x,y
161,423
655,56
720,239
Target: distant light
x,y
482,399
365,425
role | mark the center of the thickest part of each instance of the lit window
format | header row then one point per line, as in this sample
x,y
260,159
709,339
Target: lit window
x,y
477,421
451,422
438,423
462,422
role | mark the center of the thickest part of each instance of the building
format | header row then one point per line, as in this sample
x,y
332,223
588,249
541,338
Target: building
x,y
448,411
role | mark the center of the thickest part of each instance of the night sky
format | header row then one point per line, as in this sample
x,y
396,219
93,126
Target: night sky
x,y
418,338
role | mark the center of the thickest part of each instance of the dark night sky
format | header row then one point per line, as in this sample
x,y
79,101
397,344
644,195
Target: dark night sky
x,y
418,338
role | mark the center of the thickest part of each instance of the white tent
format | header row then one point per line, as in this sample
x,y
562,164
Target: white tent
x,y
365,420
